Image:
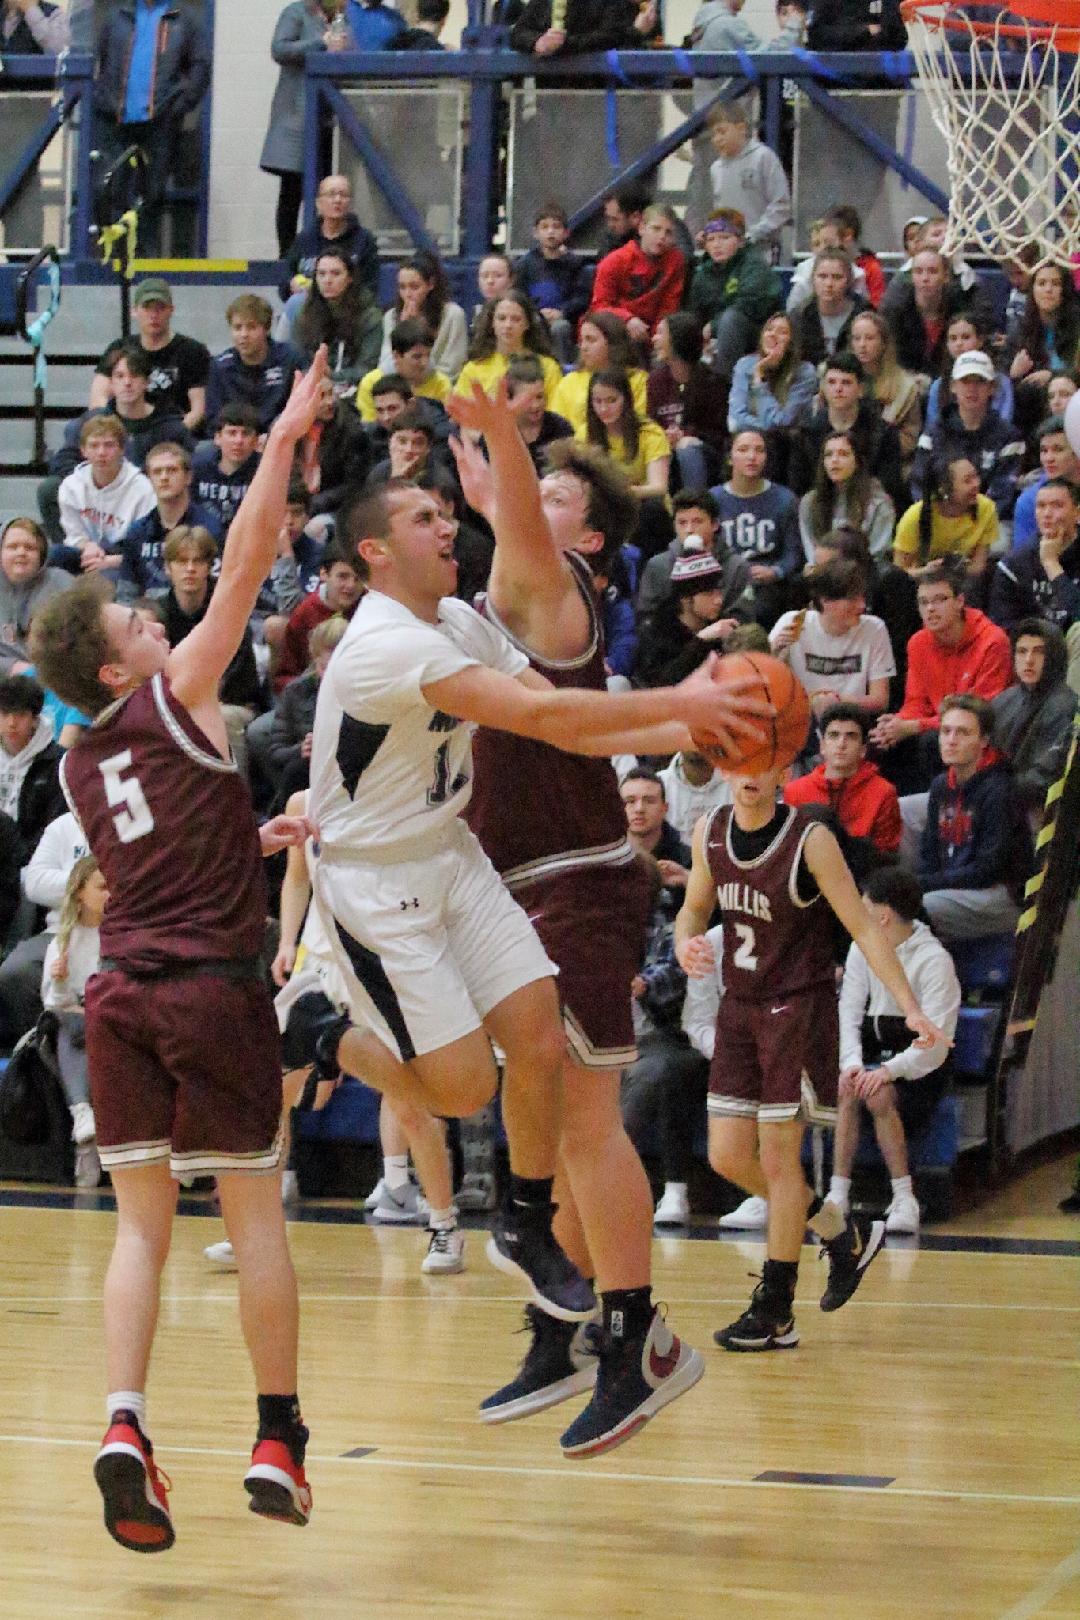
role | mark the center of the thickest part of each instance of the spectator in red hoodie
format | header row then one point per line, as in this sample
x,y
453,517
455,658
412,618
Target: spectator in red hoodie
x,y
865,804
642,281
958,650
338,591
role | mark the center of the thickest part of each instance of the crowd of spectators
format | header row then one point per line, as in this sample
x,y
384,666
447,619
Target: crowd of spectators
x,y
868,476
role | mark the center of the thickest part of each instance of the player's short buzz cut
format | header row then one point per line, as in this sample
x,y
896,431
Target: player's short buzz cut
x,y
68,644
613,506
368,518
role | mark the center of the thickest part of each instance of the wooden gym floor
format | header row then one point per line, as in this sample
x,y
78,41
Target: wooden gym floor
x,y
917,1456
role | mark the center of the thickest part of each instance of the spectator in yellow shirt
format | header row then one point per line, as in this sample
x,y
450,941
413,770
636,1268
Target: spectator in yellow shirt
x,y
640,448
410,347
505,327
954,519
603,345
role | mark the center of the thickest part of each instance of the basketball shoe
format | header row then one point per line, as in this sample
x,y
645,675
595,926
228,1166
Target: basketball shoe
x,y
446,1252
276,1483
135,1491
522,1244
637,1377
560,1362
849,1256
766,1324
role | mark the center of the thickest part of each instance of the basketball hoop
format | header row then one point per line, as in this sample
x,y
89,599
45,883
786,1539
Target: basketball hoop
x,y
1003,84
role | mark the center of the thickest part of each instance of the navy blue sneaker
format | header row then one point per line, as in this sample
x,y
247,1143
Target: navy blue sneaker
x,y
636,1378
560,1362
522,1244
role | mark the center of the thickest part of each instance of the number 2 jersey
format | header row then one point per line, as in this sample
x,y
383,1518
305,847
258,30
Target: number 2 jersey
x,y
776,943
171,825
389,773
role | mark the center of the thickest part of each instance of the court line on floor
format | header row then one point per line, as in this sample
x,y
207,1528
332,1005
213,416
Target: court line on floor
x,y
1054,1581
986,1246
568,1472
675,1301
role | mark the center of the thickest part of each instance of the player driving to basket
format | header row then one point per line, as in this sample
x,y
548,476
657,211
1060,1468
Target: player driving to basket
x,y
437,956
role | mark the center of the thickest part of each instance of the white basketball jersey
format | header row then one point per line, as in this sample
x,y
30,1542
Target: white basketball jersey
x,y
386,768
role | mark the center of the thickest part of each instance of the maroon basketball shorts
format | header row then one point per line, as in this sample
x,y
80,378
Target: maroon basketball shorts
x,y
591,923
777,1060
185,1070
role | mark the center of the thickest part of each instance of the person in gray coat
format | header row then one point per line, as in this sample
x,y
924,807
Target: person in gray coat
x,y
25,585
304,27
1033,717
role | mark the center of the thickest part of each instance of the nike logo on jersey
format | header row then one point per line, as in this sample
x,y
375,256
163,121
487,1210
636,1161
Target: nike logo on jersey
x,y
778,1009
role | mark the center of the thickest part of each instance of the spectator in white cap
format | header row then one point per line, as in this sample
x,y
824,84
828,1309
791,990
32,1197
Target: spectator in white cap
x,y
970,426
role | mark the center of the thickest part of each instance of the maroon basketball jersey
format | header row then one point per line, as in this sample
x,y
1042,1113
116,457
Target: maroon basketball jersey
x,y
775,944
536,810
172,827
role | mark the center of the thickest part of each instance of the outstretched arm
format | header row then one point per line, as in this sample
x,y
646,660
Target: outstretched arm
x,y
505,490
834,879
583,722
201,659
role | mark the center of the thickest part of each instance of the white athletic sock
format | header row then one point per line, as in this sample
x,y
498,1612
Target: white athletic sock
x,y
127,1400
902,1188
674,1187
840,1189
442,1220
396,1170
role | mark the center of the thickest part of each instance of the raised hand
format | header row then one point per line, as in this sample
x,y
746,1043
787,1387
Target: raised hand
x,y
474,476
303,403
484,413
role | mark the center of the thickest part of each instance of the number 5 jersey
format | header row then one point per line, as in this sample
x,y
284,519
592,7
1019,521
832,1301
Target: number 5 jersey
x,y
172,827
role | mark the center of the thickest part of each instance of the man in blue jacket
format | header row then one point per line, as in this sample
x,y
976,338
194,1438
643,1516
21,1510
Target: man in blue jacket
x,y
153,67
976,846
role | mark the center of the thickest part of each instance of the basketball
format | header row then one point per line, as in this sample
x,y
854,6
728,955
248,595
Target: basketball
x,y
785,732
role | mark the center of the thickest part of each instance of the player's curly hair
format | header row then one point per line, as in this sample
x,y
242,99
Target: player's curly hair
x,y
613,506
68,644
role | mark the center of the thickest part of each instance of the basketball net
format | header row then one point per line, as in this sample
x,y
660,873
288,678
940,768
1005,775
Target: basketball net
x,y
1003,85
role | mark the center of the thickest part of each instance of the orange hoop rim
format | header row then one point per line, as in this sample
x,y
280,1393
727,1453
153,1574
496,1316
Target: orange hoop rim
x,y
1055,22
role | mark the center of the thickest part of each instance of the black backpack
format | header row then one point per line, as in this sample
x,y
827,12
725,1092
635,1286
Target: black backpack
x,y
30,1090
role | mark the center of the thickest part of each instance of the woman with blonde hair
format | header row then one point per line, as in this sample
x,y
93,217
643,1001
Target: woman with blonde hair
x,y
73,956
896,390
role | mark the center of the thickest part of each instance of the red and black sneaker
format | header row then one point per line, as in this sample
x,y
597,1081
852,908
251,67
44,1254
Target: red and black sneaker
x,y
277,1485
135,1491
